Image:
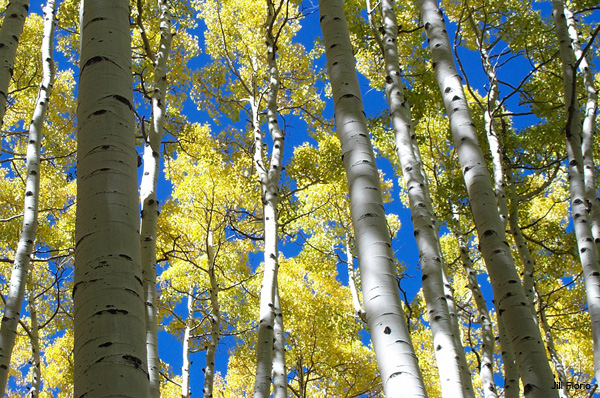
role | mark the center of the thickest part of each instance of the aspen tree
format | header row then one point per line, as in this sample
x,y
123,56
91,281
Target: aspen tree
x,y
109,316
215,319
579,207
19,275
148,187
10,31
486,370
510,300
185,367
269,179
455,376
587,130
395,355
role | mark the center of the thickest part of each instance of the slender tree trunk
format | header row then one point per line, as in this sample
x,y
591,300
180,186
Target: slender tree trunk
x,y
269,178
149,214
587,131
454,374
511,373
34,336
391,340
10,32
185,367
279,370
358,308
486,367
563,392
579,208
108,295
18,279
510,299
215,320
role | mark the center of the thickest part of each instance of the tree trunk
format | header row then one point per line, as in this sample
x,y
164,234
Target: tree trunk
x,y
358,308
18,279
269,179
510,299
455,378
587,131
486,367
108,295
395,355
185,367
215,320
10,32
563,392
149,214
579,208
34,336
279,370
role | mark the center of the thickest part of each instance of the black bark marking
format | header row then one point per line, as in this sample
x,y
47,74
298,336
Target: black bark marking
x,y
135,361
107,344
387,330
367,215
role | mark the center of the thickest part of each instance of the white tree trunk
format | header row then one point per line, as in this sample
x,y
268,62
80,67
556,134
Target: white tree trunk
x,y
358,308
511,373
185,367
486,369
454,374
149,214
510,299
215,320
269,179
563,392
279,370
394,351
583,233
108,295
587,131
18,279
10,32
34,336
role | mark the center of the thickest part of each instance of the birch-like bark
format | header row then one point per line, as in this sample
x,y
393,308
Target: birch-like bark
x,y
391,340
215,320
269,179
583,233
510,300
512,386
522,248
358,308
563,392
279,370
185,367
454,374
20,271
10,32
34,337
486,367
108,294
148,187
587,131
507,215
